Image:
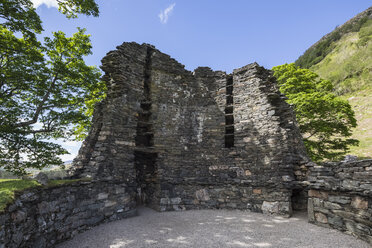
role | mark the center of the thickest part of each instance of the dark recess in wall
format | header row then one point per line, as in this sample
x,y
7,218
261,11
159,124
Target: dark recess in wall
x,y
229,113
144,157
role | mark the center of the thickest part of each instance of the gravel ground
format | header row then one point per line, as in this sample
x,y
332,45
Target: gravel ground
x,y
211,228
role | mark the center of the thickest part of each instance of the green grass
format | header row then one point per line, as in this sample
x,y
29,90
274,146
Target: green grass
x,y
349,67
361,101
8,188
319,51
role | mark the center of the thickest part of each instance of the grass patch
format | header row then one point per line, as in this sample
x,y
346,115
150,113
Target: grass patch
x,y
361,102
8,188
349,67
326,45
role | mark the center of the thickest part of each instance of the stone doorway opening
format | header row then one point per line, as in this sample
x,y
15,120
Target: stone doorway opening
x,y
299,200
145,163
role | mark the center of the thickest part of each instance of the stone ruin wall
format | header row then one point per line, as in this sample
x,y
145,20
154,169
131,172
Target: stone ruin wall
x,y
45,216
340,197
173,140
190,140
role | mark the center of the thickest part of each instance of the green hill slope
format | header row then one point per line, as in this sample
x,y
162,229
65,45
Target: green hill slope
x,y
345,58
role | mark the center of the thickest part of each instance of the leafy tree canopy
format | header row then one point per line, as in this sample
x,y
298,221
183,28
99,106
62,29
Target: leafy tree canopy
x,y
44,86
20,15
325,120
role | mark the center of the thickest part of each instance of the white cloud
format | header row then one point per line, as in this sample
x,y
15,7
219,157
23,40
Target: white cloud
x,y
165,13
48,3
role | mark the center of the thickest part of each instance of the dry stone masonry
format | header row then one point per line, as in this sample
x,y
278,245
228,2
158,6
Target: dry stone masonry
x,y
191,140
172,139
42,217
340,197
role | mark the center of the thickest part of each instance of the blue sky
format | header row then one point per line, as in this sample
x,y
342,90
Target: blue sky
x,y
220,34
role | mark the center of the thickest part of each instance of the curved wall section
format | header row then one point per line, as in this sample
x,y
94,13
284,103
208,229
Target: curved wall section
x,y
42,217
340,197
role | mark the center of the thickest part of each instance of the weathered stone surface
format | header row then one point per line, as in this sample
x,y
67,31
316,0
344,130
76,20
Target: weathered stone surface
x,y
339,192
322,218
58,213
270,207
359,202
330,205
42,178
350,158
201,195
318,194
310,210
336,221
18,216
339,199
206,138
248,173
257,191
102,196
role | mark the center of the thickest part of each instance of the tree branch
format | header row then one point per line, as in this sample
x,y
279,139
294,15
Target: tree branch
x,y
39,107
47,130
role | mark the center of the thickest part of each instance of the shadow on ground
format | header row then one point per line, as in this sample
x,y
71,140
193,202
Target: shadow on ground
x,y
211,228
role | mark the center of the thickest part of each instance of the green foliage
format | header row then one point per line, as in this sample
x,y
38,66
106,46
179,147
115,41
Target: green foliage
x,y
361,102
365,33
8,188
322,48
349,65
43,86
324,119
43,103
73,7
20,15
95,95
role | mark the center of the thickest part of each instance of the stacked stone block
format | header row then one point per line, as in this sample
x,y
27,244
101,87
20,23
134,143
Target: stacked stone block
x,y
43,217
340,197
187,140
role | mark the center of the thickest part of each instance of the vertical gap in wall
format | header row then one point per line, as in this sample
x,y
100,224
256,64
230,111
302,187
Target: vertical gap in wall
x,y
144,156
229,113
144,135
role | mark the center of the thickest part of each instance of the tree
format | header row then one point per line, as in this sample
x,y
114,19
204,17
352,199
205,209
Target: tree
x,y
325,120
20,15
96,94
43,86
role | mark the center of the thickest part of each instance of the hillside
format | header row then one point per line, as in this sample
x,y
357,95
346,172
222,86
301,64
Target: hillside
x,y
344,57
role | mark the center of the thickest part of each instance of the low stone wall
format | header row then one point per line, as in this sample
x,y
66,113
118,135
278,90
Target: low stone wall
x,y
340,197
44,216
